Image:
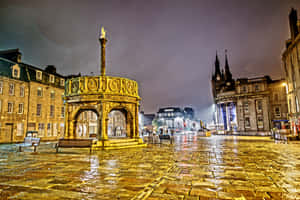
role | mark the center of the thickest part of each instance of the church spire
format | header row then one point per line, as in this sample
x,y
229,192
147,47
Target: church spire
x,y
217,68
228,75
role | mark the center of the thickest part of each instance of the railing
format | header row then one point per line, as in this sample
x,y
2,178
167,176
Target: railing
x,y
101,85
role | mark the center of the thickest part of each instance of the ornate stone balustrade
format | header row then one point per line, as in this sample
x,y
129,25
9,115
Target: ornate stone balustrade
x,y
101,85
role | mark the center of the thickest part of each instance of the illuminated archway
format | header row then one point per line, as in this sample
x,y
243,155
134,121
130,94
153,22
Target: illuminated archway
x,y
86,124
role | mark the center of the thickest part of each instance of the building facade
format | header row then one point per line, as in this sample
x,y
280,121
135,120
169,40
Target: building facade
x,y
291,65
247,104
30,99
177,119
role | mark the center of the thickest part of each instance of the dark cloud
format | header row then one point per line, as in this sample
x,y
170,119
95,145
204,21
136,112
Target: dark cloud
x,y
168,46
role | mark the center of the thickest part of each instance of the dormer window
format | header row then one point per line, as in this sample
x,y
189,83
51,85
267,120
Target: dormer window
x,y
38,75
62,82
51,78
16,71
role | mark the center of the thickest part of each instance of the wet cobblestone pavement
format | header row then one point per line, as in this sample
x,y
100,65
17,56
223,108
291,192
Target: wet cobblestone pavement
x,y
194,168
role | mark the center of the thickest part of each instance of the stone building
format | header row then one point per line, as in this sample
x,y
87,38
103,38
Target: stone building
x,y
291,65
177,119
247,104
30,99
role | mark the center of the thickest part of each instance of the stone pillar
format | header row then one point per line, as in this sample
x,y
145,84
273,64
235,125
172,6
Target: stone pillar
x,y
99,130
71,129
104,121
66,134
217,116
106,128
133,128
128,125
103,44
136,123
228,117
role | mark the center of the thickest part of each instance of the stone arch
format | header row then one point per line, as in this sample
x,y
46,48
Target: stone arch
x,y
80,109
128,116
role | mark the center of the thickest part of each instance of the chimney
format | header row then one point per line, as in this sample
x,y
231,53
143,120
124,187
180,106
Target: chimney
x,y
293,23
103,41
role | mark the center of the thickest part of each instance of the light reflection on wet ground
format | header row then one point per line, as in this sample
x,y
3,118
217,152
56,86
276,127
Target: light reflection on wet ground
x,y
194,167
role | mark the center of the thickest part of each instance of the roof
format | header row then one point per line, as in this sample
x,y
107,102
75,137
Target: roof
x,y
6,70
169,109
27,72
8,51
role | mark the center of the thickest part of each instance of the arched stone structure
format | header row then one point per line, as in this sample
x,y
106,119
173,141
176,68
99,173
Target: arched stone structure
x,y
80,110
101,94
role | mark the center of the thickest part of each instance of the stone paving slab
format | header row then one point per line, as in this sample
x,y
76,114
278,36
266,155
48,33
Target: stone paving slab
x,y
217,167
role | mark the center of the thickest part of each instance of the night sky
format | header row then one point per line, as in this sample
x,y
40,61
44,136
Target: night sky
x,y
168,46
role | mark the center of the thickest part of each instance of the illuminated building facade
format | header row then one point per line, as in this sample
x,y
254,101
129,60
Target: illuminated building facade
x,y
175,118
247,104
291,65
31,99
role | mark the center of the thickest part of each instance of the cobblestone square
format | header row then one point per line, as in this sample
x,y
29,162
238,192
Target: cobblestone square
x,y
193,168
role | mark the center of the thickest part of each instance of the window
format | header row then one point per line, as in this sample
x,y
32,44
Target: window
x,y
40,92
16,71
247,122
52,95
259,105
51,78
49,129
20,129
62,82
260,122
38,109
62,114
38,75
257,88
62,128
21,91
41,129
276,97
1,87
52,110
11,89
31,127
244,89
92,129
277,112
246,106
21,108
10,107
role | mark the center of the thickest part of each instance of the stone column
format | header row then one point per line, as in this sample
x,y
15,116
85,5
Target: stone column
x,y
128,125
66,134
136,122
103,44
228,117
104,121
133,127
71,129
